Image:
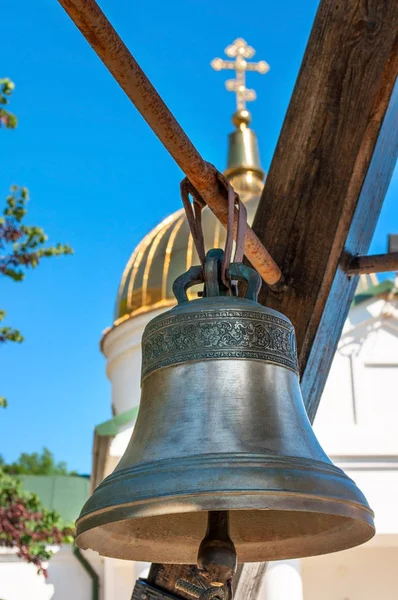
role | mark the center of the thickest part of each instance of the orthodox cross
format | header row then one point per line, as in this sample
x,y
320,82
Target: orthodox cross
x,y
240,51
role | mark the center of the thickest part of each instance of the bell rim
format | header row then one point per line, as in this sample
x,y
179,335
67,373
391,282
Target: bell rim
x,y
336,493
356,517
165,501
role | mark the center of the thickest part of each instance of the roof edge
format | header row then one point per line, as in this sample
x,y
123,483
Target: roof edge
x,y
377,290
112,427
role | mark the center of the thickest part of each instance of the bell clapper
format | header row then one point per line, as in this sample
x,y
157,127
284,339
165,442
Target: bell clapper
x,y
217,555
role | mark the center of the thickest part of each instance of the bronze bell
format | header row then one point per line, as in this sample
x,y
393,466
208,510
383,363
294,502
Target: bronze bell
x,y
222,427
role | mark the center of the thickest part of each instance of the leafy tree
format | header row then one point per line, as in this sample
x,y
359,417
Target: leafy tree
x,y
36,464
26,525
21,246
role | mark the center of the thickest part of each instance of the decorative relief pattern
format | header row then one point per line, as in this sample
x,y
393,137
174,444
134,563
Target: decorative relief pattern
x,y
218,334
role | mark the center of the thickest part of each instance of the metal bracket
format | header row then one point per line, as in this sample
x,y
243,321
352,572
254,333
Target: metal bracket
x,y
211,277
144,591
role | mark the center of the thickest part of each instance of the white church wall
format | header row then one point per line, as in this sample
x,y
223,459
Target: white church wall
x,y
364,573
378,480
69,578
122,349
19,580
365,311
117,448
359,409
119,579
282,581
66,577
336,406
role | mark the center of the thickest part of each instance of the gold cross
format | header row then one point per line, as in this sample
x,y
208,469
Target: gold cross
x,y
240,51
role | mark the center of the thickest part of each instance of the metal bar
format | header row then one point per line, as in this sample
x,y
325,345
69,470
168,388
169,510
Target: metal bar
x,y
376,263
104,40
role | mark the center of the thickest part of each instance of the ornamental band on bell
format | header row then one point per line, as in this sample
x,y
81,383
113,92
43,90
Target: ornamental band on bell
x,y
218,334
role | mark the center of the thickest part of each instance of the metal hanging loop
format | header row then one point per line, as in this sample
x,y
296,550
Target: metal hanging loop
x,y
233,201
194,217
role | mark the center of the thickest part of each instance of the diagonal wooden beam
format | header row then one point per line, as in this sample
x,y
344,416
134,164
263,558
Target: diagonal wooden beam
x,y
330,173
358,236
105,41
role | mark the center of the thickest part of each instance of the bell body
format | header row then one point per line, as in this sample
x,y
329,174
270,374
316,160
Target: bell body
x,y
222,426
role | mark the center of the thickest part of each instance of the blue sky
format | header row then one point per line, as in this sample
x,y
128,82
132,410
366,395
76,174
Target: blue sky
x,y
94,168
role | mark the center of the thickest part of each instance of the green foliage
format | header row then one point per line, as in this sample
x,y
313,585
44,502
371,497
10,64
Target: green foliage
x,y
26,525
21,246
36,464
8,334
24,522
7,119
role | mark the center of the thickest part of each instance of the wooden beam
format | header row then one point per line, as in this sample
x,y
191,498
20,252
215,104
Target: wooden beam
x,y
375,263
358,237
103,38
330,173
248,580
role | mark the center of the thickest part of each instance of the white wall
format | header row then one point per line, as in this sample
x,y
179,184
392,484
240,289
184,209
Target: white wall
x,y
119,579
364,573
122,349
358,413
20,581
66,580
67,574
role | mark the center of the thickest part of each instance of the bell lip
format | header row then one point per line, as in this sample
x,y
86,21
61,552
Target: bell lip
x,y
161,506
359,519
